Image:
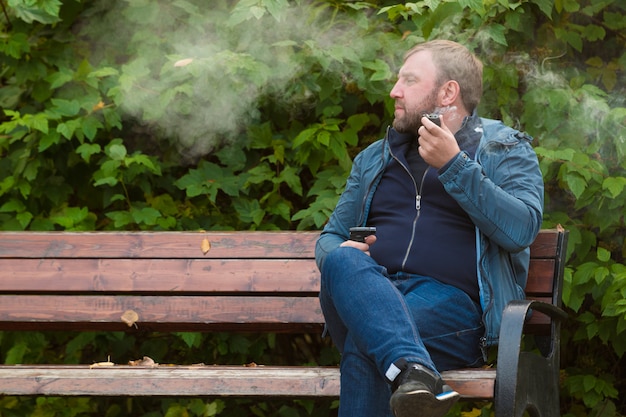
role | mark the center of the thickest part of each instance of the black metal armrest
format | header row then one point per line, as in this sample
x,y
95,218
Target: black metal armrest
x,y
512,326
527,377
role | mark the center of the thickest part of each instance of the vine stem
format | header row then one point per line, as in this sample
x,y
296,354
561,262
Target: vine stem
x,y
6,14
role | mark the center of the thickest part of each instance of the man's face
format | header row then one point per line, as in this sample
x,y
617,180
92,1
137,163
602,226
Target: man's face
x,y
415,92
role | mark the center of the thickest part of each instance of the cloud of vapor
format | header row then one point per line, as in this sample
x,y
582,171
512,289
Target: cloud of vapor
x,y
197,73
584,113
562,107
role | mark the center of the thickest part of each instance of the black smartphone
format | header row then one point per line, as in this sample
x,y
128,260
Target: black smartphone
x,y
358,234
433,117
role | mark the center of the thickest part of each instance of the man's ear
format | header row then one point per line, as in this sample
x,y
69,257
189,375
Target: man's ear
x,y
449,93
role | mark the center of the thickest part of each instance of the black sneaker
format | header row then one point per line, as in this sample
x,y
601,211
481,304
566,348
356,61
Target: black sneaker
x,y
419,392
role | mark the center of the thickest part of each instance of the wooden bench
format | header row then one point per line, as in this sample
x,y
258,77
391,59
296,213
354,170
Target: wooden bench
x,y
232,281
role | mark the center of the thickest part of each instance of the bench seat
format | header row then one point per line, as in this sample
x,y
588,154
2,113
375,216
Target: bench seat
x,y
233,282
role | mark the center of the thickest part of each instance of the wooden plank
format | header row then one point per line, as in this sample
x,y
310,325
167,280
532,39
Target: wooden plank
x,y
476,383
196,381
152,312
199,381
223,245
546,244
540,277
198,313
158,275
188,275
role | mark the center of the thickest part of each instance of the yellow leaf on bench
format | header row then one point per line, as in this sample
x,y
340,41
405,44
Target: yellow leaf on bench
x,y
130,317
205,246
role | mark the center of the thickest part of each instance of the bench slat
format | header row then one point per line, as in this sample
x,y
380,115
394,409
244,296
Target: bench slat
x,y
197,381
546,244
200,313
158,275
540,277
185,313
223,245
170,381
188,275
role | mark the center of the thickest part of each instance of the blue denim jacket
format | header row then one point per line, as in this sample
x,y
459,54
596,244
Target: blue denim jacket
x,y
502,192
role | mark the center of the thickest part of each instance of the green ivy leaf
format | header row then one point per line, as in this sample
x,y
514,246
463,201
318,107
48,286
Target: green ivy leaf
x,y
15,354
207,179
116,151
191,339
60,78
290,176
381,69
109,180
16,45
572,38
90,126
545,6
145,215
69,217
497,33
249,211
52,138
12,205
86,150
603,255
594,32
143,160
614,185
38,122
576,184
121,219
24,219
43,11
65,108
305,136
570,6
68,128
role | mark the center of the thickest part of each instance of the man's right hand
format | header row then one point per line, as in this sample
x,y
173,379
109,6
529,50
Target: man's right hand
x,y
362,246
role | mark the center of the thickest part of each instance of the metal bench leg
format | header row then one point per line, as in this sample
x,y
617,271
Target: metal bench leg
x,y
535,390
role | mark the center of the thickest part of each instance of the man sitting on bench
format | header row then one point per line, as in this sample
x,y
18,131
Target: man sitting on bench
x,y
456,201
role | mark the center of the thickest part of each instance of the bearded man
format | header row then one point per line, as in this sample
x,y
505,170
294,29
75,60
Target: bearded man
x,y
456,204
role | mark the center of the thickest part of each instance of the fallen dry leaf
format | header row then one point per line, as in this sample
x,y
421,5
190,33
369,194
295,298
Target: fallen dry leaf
x,y
205,246
145,361
130,317
100,364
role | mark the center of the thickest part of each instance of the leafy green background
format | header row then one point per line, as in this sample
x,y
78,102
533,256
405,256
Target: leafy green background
x,y
245,115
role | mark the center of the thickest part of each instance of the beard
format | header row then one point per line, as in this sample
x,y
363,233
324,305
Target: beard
x,y
411,121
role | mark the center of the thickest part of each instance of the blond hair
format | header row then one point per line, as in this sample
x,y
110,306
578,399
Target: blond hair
x,y
455,62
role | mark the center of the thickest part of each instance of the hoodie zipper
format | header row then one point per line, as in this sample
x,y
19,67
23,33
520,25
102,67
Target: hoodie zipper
x,y
418,210
418,204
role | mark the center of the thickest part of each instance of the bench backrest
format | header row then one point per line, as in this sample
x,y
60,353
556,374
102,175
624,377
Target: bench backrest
x,y
199,281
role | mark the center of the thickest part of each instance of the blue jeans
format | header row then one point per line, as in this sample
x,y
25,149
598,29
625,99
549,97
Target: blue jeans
x,y
375,319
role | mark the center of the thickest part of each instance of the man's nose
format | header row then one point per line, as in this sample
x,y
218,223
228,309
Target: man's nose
x,y
395,91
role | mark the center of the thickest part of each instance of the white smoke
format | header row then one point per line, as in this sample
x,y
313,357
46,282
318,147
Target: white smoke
x,y
199,79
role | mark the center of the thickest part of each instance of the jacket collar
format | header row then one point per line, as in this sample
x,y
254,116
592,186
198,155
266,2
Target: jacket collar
x,y
469,134
397,139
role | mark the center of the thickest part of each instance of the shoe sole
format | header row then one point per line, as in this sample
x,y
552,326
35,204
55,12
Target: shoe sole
x,y
422,403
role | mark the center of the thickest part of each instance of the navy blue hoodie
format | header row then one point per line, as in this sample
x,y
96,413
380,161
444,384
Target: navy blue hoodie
x,y
421,229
